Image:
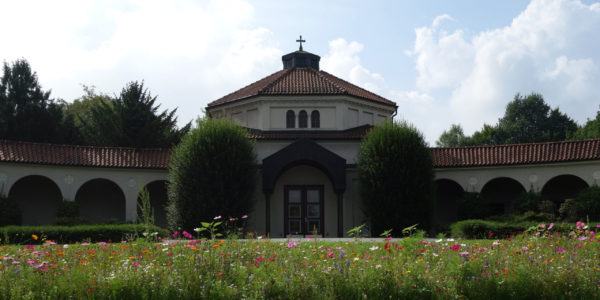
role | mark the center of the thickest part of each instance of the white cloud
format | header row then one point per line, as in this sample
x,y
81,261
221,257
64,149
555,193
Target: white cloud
x,y
550,48
343,61
188,52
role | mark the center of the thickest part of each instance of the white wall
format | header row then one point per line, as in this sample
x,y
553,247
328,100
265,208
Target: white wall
x,y
70,179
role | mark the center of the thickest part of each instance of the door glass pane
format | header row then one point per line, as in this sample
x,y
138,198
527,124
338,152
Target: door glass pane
x,y
294,196
313,196
313,225
294,211
294,226
313,211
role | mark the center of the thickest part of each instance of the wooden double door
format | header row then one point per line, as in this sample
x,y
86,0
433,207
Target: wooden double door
x,y
303,209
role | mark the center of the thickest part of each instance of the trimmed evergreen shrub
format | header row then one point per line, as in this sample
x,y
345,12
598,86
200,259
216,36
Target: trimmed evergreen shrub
x,y
472,206
72,234
396,178
10,213
212,172
589,202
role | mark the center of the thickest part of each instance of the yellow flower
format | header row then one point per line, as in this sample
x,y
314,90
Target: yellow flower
x,y
35,237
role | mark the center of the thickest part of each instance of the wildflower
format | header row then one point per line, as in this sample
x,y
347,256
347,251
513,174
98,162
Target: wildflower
x,y
30,247
543,226
374,248
232,219
175,234
65,246
244,217
85,244
388,238
135,264
491,234
551,225
35,237
464,253
259,259
582,238
292,244
217,218
186,234
560,250
455,247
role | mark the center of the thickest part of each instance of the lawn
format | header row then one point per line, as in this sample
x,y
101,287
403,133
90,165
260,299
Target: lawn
x,y
539,264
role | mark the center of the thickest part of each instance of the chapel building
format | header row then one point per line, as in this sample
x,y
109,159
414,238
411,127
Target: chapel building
x,y
308,126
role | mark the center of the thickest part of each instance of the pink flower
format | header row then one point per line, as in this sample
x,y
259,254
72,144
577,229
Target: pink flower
x,y
187,235
232,219
31,262
175,234
135,264
455,247
582,238
245,217
542,226
217,218
560,250
490,234
170,254
260,259
388,238
30,247
293,244
464,253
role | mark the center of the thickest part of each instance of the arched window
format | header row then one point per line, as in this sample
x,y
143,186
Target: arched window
x,y
302,119
315,119
290,119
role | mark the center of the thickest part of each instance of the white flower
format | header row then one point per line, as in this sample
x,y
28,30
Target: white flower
x,y
378,267
374,248
356,259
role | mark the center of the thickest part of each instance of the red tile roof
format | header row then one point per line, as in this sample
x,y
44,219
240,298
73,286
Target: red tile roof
x,y
85,156
305,81
114,157
517,154
356,133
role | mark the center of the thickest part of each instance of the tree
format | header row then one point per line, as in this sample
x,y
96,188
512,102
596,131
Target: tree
x,y
212,172
591,129
129,120
530,120
526,120
26,111
396,177
453,137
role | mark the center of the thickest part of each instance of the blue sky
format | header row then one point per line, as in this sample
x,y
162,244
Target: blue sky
x,y
443,62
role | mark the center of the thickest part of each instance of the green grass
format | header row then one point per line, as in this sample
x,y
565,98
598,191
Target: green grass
x,y
524,267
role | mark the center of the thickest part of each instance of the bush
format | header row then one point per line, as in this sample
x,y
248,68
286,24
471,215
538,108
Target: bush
x,y
472,206
67,214
396,178
569,210
481,229
212,172
589,201
528,202
547,207
10,213
72,234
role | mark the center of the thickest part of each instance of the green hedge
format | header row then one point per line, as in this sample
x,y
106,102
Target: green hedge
x,y
481,229
72,234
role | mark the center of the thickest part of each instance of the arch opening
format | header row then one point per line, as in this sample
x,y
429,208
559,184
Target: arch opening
x,y
447,196
158,201
562,187
38,198
101,200
502,193
302,119
290,119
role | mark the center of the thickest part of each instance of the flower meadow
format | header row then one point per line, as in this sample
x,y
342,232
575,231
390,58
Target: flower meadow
x,y
539,264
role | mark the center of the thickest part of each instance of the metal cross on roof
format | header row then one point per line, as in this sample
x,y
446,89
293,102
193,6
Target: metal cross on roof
x,y
300,41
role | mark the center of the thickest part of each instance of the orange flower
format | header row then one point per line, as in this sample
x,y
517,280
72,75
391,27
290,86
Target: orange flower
x,y
35,237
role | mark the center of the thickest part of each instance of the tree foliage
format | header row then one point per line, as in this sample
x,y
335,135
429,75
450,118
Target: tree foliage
x,y
591,129
396,177
212,172
527,119
26,111
129,120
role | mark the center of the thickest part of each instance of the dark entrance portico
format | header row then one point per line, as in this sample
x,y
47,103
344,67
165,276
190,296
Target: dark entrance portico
x,y
304,152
